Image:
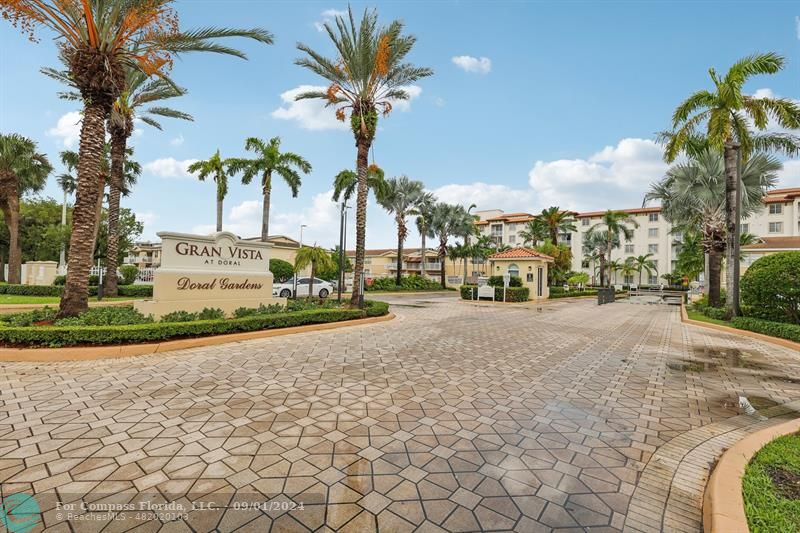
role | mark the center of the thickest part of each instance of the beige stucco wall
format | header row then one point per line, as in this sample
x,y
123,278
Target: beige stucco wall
x,y
528,271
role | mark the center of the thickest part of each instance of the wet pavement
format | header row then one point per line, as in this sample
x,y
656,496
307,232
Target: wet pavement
x,y
454,416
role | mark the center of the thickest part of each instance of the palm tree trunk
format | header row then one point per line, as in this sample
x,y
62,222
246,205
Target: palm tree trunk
x,y
423,270
399,276
265,207
219,212
10,208
442,261
98,212
362,160
731,238
75,299
640,277
311,280
62,254
714,281
118,142
2,268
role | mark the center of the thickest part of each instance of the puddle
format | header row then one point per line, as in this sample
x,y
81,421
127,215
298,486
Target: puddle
x,y
730,357
761,402
691,365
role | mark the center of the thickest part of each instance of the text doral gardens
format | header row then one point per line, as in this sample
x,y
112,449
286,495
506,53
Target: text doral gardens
x,y
186,284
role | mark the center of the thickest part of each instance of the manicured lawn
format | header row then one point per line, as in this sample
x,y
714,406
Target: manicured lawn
x,y
17,299
771,487
700,317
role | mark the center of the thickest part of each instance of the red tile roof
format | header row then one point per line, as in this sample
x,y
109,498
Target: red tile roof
x,y
520,253
775,243
636,211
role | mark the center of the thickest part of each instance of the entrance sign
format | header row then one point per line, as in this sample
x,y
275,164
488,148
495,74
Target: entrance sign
x,y
486,291
217,271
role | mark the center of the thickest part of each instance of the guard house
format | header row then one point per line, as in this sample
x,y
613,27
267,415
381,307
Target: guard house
x,y
526,264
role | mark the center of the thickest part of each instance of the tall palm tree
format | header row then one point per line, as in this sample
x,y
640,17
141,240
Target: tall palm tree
x,y
628,269
691,256
345,183
535,231
422,212
22,170
614,267
448,220
100,40
219,169
597,246
367,75
693,199
399,197
556,222
269,160
643,263
613,224
728,115
319,258
482,249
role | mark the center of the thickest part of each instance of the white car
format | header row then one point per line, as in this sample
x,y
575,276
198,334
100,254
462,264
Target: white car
x,y
322,288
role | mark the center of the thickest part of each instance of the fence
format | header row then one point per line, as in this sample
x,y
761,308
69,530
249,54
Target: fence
x,y
143,277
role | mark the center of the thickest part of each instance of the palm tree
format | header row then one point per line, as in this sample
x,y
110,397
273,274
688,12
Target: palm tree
x,y
482,248
598,245
556,221
423,216
614,267
269,160
368,74
693,199
644,263
399,197
99,41
319,258
219,169
691,257
345,183
535,231
22,170
448,220
628,269
613,224
729,115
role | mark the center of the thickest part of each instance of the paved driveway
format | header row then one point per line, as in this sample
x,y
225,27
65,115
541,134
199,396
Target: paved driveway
x,y
453,415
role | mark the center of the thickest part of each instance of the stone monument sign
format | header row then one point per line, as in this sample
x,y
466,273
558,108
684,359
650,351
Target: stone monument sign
x,y
218,271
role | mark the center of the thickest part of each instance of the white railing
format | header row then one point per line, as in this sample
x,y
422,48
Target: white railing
x,y
144,276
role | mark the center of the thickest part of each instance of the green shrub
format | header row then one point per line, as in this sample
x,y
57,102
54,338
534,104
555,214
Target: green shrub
x,y
94,280
179,316
767,327
106,316
281,270
407,283
513,294
771,287
262,309
578,277
717,313
60,281
211,313
28,318
135,291
497,281
55,336
129,273
559,292
304,304
31,290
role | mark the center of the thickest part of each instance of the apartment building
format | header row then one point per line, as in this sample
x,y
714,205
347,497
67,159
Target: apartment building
x,y
144,255
777,226
382,262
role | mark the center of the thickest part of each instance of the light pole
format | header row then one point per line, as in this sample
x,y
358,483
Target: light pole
x,y
342,242
301,246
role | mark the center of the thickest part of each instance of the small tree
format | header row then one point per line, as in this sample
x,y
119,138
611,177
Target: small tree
x,y
316,256
281,270
771,288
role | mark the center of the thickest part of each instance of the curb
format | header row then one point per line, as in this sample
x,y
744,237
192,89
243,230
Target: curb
x,y
785,343
90,353
723,503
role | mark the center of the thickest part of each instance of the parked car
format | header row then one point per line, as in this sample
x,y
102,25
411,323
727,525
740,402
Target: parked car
x,y
322,288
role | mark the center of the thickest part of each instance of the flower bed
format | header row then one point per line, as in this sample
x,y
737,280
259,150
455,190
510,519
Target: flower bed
x,y
103,326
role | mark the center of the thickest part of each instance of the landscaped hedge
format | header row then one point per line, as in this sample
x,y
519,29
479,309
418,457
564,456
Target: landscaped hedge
x,y
141,291
56,336
572,293
771,288
407,283
513,294
767,327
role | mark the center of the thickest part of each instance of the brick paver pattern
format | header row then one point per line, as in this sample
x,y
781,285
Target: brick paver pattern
x,y
456,416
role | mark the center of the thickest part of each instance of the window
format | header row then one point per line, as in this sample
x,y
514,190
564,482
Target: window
x,y
513,270
497,230
584,222
512,239
629,249
652,248
652,280
628,280
512,227
652,232
584,264
653,217
775,209
776,227
745,228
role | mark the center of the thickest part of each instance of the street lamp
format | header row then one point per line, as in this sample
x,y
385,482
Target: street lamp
x,y
301,245
342,236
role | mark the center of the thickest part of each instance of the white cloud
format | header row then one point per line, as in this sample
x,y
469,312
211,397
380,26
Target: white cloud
x,y
328,16
480,65
169,167
148,218
67,129
789,176
486,196
615,177
177,141
313,115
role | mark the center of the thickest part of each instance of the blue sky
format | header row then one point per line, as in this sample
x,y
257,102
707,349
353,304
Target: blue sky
x,y
531,105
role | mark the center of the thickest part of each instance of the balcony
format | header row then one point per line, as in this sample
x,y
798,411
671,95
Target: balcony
x,y
415,266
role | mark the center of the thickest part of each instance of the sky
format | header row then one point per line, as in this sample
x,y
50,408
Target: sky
x,y
531,104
